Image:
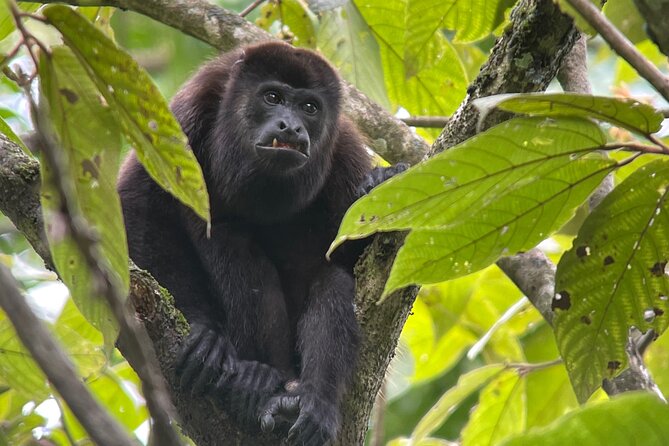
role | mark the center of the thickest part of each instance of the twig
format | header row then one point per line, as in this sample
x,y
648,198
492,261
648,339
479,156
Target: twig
x,y
525,368
437,122
622,46
58,368
250,8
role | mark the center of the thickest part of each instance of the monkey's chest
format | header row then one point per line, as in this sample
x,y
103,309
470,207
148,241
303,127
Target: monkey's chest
x,y
297,250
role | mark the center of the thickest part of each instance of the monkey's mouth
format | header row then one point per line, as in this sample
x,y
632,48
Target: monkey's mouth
x,y
296,148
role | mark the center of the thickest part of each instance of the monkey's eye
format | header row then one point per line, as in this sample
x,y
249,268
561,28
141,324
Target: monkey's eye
x,y
273,98
310,108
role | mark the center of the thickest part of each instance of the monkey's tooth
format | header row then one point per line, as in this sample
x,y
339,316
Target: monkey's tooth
x,y
275,143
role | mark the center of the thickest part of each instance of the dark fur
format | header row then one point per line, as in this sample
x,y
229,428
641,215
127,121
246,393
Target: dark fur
x,y
263,303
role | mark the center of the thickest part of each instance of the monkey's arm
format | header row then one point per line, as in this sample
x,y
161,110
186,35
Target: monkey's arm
x,y
245,286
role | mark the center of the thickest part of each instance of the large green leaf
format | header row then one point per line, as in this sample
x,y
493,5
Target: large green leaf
x,y
89,139
622,112
628,420
432,85
466,385
470,19
143,112
346,40
465,214
501,412
614,277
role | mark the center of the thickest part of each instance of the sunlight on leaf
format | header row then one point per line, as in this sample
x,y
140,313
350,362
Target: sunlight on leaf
x,y
467,385
348,43
501,412
434,87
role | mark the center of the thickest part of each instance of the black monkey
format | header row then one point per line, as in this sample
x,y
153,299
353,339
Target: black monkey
x,y
282,165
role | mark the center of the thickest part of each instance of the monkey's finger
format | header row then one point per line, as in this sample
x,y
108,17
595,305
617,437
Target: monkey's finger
x,y
266,422
196,360
302,431
192,340
210,370
268,413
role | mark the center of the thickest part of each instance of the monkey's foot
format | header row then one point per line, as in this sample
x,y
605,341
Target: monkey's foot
x,y
245,393
316,419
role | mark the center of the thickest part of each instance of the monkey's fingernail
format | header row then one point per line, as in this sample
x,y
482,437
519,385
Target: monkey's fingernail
x,y
275,143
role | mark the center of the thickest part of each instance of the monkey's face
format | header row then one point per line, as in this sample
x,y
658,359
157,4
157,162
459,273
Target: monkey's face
x,y
287,119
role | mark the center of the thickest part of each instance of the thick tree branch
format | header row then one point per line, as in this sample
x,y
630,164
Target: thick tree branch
x,y
57,366
622,46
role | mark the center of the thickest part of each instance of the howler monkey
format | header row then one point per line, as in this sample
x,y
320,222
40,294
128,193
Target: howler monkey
x,y
265,307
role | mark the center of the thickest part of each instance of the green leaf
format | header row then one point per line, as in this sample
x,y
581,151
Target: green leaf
x,y
346,40
614,277
21,373
294,14
470,19
89,138
625,16
501,411
423,84
110,391
466,385
6,130
17,368
622,112
6,19
464,216
143,113
629,419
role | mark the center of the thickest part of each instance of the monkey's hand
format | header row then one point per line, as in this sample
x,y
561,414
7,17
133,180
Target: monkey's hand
x,y
316,418
205,358
378,175
245,393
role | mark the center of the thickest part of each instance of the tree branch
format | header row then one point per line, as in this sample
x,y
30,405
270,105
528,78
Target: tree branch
x,y
57,366
622,46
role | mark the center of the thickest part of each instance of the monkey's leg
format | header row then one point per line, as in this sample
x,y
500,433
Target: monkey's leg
x,y
327,342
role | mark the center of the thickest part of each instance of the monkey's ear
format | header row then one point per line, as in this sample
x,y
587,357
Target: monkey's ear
x,y
196,105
